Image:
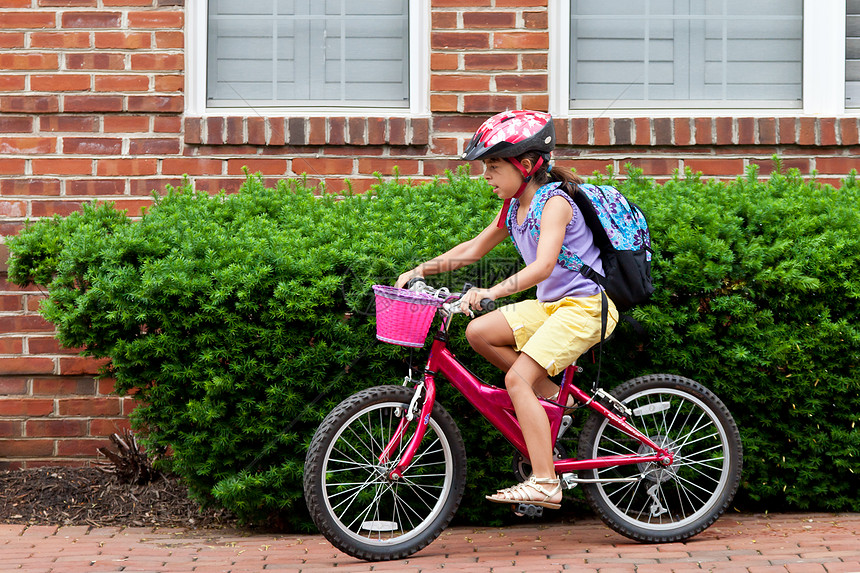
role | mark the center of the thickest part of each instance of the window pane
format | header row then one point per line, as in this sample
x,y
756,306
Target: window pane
x,y
852,54
308,52
686,53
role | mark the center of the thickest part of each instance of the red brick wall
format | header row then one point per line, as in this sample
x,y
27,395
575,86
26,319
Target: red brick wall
x,y
92,106
52,410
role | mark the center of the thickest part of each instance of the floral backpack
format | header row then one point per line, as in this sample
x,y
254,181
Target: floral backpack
x,y
621,233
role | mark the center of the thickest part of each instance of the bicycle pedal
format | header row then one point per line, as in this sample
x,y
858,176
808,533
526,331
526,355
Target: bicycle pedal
x,y
528,510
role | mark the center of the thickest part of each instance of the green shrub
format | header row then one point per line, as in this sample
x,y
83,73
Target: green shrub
x,y
229,315
241,320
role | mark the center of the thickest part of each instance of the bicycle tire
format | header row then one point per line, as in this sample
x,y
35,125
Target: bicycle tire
x,y
672,503
347,492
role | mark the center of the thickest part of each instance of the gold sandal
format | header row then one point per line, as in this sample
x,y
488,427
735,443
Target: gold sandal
x,y
524,493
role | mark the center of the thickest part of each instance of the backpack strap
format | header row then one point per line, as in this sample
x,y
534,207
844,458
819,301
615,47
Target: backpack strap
x,y
566,258
604,322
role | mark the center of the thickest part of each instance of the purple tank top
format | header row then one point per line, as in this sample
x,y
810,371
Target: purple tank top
x,y
578,244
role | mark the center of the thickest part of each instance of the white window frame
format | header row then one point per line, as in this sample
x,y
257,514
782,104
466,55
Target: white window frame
x,y
196,29
823,70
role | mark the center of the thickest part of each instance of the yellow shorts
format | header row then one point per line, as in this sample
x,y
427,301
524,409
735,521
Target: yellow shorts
x,y
556,333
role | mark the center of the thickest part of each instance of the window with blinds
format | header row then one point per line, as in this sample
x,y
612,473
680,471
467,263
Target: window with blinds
x,y
686,53
308,53
852,54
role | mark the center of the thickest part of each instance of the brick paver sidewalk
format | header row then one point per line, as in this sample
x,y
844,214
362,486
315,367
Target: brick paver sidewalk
x,y
792,543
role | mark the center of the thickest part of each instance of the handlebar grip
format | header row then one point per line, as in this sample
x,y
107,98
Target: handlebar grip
x,y
488,304
414,280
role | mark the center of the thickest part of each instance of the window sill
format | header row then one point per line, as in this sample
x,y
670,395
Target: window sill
x,y
275,131
708,131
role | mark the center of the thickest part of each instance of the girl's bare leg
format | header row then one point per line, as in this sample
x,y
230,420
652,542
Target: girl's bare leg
x,y
491,337
520,381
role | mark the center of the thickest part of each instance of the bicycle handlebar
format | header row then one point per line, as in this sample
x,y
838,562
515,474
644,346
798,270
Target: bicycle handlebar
x,y
419,285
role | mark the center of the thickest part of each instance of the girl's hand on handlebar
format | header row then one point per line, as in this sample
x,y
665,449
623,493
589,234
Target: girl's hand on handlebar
x,y
406,277
473,298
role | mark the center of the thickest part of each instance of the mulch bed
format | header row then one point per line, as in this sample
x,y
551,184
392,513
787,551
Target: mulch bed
x,y
88,496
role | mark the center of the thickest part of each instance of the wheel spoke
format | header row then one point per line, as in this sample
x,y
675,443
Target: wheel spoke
x,y
407,506
623,449
373,505
366,435
354,449
422,454
351,465
358,490
691,485
696,428
623,489
417,490
351,485
694,466
669,425
689,442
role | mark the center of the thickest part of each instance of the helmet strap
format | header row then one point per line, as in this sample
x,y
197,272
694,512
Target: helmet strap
x,y
527,176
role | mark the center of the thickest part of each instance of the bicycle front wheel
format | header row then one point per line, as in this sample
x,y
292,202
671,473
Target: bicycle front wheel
x,y
347,489
665,503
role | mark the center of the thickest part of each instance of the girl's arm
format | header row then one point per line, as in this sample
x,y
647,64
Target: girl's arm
x,y
463,254
556,215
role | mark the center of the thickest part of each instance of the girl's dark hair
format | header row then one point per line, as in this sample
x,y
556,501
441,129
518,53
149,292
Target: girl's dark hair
x,y
567,177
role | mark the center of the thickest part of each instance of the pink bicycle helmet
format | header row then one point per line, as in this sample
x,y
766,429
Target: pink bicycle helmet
x,y
512,133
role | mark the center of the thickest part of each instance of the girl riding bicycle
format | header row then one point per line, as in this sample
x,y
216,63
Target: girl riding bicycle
x,y
533,339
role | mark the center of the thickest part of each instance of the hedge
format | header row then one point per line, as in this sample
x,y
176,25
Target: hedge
x,y
238,321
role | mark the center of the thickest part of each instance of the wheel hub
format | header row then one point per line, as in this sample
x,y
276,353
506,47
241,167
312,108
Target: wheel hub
x,y
655,471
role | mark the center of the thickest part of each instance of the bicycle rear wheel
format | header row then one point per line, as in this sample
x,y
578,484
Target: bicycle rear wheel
x,y
665,503
347,490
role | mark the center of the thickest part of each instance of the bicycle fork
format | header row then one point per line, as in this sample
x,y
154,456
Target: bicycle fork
x,y
429,388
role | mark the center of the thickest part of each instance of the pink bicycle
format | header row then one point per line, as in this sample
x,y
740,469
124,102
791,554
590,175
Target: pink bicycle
x,y
659,458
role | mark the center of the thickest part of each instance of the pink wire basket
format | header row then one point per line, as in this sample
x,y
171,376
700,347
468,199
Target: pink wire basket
x,y
402,316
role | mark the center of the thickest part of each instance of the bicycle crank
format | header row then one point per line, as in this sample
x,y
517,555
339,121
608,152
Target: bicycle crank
x,y
522,467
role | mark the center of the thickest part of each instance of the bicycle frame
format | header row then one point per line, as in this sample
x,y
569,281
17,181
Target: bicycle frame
x,y
496,406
